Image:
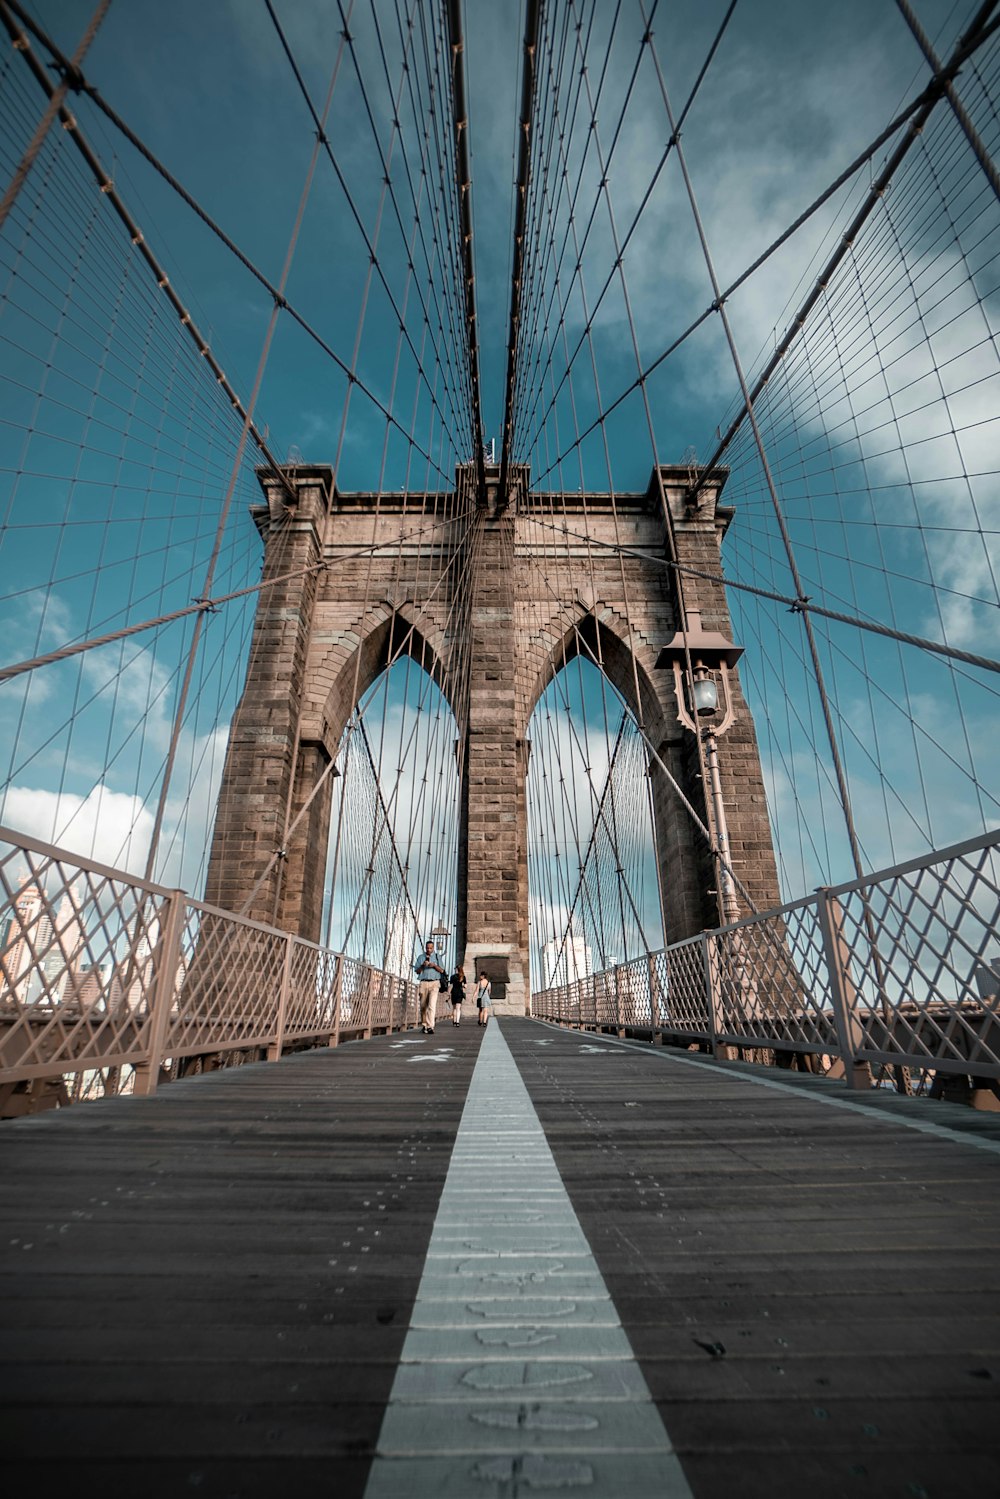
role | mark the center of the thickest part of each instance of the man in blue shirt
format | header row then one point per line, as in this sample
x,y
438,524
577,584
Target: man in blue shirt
x,y
430,974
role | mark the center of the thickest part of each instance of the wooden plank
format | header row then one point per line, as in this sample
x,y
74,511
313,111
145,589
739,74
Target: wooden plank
x,y
210,1288
812,1292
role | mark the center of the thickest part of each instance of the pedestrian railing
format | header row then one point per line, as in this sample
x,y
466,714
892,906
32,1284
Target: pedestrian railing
x,y
898,971
107,977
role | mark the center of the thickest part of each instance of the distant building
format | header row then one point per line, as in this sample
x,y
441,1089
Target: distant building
x,y
988,977
62,965
565,962
400,942
26,945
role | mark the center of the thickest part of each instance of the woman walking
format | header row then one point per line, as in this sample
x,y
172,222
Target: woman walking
x,y
457,995
483,998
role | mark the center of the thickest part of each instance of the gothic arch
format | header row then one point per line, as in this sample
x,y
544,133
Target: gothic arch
x,y
601,635
339,680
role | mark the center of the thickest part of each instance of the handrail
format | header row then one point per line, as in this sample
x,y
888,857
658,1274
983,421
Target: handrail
x,y
897,971
104,972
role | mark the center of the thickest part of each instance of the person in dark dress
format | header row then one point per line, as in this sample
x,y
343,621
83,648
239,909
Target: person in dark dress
x,y
457,995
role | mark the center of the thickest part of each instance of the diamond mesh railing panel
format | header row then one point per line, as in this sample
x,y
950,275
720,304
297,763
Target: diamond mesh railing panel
x,y
381,1001
922,959
772,983
900,969
312,978
89,958
681,990
634,1008
228,984
355,995
80,954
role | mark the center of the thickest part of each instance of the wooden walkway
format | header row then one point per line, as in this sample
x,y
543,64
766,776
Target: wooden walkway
x,y
209,1291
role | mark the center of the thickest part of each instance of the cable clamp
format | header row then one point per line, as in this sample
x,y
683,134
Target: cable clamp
x,y
279,301
800,605
206,605
281,853
70,76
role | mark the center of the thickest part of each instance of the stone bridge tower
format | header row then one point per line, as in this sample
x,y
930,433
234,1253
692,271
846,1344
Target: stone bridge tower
x,y
547,584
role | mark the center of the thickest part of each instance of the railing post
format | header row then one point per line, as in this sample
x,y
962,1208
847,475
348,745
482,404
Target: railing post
x,y
274,1050
370,990
338,981
710,959
653,981
165,966
843,995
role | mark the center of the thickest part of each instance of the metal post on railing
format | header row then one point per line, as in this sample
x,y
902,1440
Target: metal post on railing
x,y
710,959
708,965
274,1050
371,989
653,981
338,980
843,995
166,962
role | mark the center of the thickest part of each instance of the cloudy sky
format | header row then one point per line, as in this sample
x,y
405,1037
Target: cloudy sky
x,y
888,522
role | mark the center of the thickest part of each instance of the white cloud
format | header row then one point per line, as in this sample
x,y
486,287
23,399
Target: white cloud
x,y
108,826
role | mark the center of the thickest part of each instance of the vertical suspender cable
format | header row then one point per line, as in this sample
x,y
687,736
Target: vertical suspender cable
x,y
464,183
531,23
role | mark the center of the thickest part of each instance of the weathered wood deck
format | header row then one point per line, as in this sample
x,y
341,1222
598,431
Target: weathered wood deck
x,y
209,1290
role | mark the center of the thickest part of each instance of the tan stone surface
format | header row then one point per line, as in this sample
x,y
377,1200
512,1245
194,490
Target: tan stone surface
x,y
521,598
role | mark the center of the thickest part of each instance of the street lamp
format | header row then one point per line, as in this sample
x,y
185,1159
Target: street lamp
x,y
711,656
440,935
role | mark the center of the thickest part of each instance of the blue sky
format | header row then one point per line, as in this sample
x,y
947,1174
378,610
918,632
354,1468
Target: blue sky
x,y
885,517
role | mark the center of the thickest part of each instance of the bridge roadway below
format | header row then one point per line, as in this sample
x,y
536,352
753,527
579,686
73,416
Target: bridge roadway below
x,y
515,1261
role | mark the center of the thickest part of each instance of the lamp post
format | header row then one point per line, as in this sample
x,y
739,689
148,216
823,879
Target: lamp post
x,y
439,936
711,655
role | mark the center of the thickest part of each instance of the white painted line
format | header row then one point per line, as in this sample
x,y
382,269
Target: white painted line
x,y
516,1375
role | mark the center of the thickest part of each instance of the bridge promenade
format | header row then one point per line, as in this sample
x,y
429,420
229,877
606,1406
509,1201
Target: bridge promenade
x,y
234,1286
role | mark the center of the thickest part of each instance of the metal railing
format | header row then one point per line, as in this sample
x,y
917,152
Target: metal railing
x,y
899,971
102,972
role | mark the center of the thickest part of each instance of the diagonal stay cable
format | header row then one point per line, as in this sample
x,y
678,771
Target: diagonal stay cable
x,y
81,85
528,76
44,125
958,108
921,106
200,606
108,190
464,185
794,605
324,141
385,162
936,90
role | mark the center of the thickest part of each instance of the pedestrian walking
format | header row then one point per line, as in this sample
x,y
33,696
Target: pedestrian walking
x,y
430,974
457,995
484,998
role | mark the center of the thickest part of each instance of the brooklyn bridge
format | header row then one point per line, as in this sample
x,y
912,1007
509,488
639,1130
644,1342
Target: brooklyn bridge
x,y
500,855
